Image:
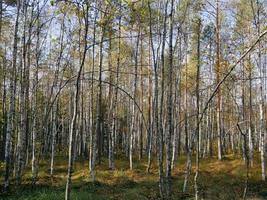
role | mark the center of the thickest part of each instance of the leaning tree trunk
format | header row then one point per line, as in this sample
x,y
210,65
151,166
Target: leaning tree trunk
x,y
75,111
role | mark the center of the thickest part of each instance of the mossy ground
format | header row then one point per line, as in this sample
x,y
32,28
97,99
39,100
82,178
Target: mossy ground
x,y
217,180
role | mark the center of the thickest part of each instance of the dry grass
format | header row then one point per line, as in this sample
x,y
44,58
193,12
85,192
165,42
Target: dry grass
x,y
218,180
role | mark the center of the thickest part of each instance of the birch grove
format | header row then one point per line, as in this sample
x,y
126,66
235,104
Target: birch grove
x,y
153,83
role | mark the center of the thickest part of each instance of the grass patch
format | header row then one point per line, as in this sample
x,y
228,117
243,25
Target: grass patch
x,y
217,180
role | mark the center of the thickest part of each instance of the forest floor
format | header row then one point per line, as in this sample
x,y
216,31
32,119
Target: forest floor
x,y
217,180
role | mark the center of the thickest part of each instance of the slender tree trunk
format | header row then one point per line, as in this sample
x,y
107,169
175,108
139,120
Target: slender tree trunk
x,y
198,110
11,112
187,143
35,98
93,136
133,128
161,122
262,101
218,71
99,122
112,108
22,133
53,139
76,106
170,107
156,119
250,129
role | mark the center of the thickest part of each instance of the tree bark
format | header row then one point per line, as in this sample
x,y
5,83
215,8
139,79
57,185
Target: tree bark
x,y
11,111
76,106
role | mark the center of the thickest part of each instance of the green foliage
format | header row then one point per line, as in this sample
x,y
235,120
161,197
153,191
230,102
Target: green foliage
x,y
52,2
